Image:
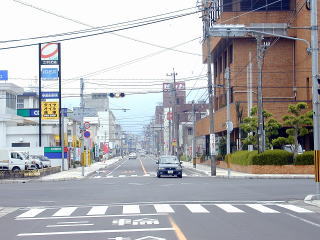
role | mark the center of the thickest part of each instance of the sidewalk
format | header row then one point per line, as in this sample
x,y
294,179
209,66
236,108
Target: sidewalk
x,y
76,173
223,173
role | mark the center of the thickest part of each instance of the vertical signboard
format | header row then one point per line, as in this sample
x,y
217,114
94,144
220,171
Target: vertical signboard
x,y
3,75
49,110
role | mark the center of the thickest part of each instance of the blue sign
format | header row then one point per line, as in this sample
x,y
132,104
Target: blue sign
x,y
49,73
49,95
86,134
34,112
4,75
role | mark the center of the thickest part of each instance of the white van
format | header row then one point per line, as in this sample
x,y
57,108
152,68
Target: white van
x,y
12,160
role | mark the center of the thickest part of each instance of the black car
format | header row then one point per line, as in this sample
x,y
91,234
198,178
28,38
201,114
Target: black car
x,y
169,166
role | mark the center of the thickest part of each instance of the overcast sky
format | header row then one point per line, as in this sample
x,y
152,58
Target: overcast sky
x,y
103,60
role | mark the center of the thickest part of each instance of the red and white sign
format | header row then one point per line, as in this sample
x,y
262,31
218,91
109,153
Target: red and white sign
x,y
169,116
86,125
49,54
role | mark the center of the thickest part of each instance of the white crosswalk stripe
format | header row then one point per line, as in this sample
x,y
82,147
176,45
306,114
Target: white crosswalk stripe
x,y
261,208
66,211
196,208
295,208
229,208
98,210
131,209
161,209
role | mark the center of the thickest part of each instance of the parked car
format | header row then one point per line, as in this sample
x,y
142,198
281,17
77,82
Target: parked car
x,y
169,166
41,161
290,148
13,160
132,155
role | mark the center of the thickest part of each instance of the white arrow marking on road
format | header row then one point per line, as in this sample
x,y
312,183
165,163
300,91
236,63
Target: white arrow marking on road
x,y
144,221
196,208
122,222
295,208
150,238
130,209
163,208
66,211
31,213
261,208
229,208
98,210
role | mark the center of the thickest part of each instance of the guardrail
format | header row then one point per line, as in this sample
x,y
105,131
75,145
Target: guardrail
x,y
5,174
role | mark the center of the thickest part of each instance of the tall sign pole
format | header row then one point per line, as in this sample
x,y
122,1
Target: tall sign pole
x,y
40,143
210,92
59,76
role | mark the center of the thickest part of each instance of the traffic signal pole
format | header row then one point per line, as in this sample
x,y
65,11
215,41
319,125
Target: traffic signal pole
x,y
81,122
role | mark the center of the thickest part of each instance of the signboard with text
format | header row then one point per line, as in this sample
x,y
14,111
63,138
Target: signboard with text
x,y
49,74
3,75
49,110
49,54
50,95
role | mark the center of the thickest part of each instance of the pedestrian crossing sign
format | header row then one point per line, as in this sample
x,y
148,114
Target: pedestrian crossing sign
x,y
49,110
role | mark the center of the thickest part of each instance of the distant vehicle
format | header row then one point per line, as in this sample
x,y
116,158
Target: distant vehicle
x,y
41,161
290,148
132,155
13,160
169,166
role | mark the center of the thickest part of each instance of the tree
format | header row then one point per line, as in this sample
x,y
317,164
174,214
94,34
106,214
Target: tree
x,y
250,127
297,123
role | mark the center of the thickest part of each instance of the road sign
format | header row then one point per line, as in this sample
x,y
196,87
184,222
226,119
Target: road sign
x,y
86,134
49,95
86,125
49,110
49,74
49,54
213,144
4,75
229,126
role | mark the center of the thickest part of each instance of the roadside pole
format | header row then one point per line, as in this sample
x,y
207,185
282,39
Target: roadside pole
x,y
81,122
62,141
210,94
194,135
228,123
315,87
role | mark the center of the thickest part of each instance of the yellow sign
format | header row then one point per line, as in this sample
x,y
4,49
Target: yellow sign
x,y
49,110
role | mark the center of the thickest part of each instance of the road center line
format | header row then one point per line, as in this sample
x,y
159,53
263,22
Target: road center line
x,y
117,167
96,231
144,170
177,230
70,225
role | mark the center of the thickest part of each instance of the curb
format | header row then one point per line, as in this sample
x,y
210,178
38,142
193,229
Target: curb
x,y
310,199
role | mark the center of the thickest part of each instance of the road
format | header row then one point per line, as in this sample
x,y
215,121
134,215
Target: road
x,y
126,201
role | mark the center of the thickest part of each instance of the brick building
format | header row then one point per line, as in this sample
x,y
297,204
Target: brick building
x,y
286,74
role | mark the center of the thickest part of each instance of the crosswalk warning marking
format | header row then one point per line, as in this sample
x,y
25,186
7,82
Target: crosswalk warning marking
x,y
295,208
109,176
229,208
32,213
63,212
98,210
196,208
163,208
122,175
131,209
261,208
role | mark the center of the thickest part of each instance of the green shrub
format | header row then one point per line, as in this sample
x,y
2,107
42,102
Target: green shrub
x,y
273,157
242,157
304,159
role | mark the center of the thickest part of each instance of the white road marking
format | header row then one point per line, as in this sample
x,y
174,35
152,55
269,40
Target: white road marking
x,y
98,210
72,222
196,208
295,208
117,167
122,175
229,208
109,176
130,209
66,211
31,213
304,220
70,225
261,208
134,175
163,208
5,211
146,175
97,177
95,231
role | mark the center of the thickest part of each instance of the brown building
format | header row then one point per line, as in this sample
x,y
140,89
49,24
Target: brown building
x,y
287,66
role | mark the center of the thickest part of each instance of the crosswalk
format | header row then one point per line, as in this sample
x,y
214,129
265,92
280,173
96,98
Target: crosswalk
x,y
160,208
150,174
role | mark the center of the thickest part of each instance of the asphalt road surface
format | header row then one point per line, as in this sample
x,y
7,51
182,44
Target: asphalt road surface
x,y
126,201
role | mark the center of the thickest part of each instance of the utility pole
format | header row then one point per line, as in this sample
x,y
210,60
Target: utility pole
x,y
62,141
81,120
315,85
175,128
260,58
228,123
210,92
194,135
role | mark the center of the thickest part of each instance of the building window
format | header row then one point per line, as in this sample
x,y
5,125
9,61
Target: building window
x,y
265,5
11,100
215,69
230,54
225,60
20,103
190,131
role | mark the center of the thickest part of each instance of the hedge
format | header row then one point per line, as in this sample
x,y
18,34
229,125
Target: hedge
x,y
304,159
269,157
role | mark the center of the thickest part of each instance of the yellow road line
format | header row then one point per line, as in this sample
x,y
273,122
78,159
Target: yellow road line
x,y
144,170
177,230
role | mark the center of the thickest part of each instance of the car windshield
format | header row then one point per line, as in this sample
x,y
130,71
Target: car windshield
x,y
169,160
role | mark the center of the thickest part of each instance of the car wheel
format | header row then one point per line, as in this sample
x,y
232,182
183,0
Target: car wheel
x,y
180,175
158,175
15,169
37,165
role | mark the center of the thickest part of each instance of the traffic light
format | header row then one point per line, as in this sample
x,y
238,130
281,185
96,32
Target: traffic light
x,y
116,95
